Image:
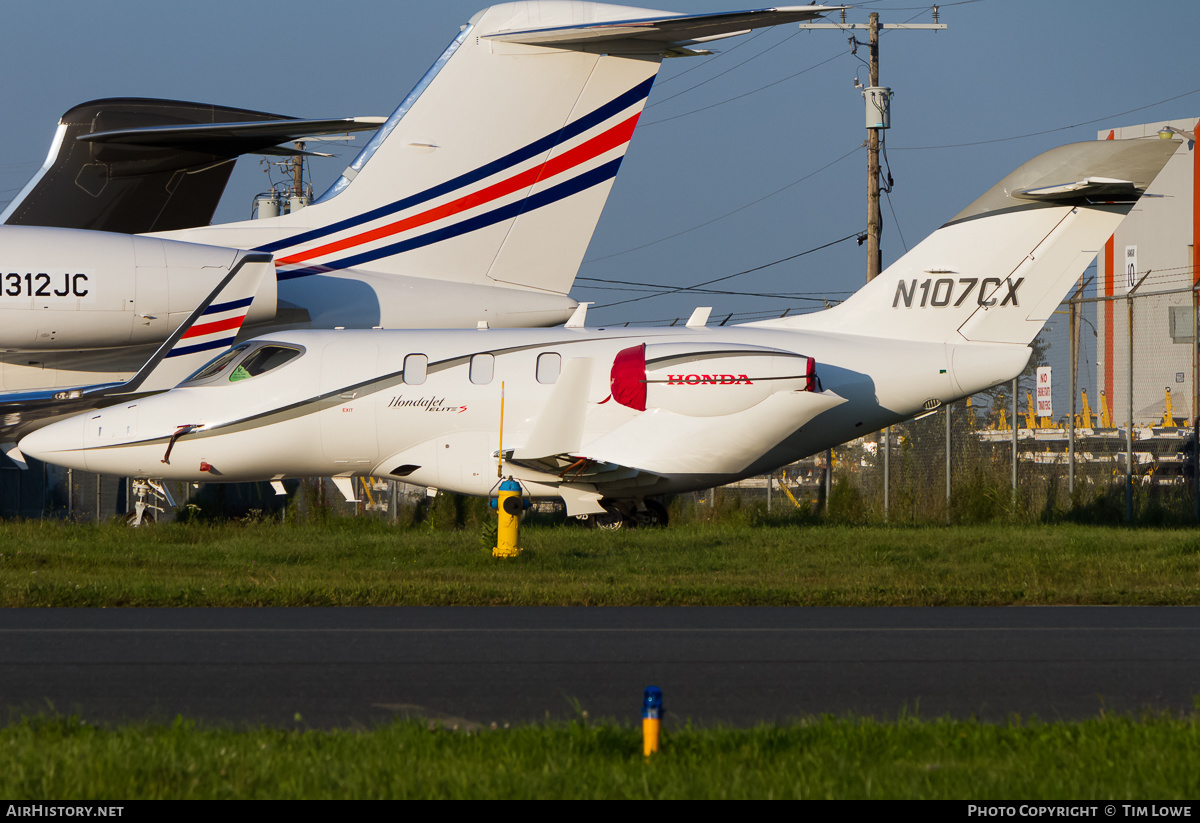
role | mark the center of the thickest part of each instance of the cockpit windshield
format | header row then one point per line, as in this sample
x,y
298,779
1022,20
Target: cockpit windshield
x,y
263,359
217,364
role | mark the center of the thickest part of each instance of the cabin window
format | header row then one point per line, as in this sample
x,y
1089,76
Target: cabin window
x,y
261,361
416,368
549,365
482,368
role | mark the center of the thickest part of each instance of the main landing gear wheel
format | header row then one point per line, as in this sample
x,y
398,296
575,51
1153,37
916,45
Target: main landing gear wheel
x,y
654,516
611,520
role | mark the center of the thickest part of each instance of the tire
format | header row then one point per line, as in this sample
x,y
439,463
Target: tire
x,y
147,519
655,516
612,520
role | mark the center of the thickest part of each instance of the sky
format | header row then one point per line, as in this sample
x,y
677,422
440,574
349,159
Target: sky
x,y
741,160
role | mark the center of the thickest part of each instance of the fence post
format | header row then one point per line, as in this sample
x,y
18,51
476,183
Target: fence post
x,y
828,477
948,406
1129,413
1074,354
1014,445
1129,401
887,471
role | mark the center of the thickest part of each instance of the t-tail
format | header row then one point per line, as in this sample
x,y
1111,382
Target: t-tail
x,y
998,270
494,169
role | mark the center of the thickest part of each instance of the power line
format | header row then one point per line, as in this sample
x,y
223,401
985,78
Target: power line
x,y
727,214
1052,131
746,94
705,63
727,71
726,277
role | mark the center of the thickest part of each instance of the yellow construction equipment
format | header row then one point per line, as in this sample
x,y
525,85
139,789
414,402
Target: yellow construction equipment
x,y
1085,417
1168,412
1105,412
1031,421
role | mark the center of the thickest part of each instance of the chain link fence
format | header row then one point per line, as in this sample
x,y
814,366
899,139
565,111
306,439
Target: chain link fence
x,y
1100,427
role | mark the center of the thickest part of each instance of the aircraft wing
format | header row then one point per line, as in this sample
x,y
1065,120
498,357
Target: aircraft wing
x,y
672,30
655,444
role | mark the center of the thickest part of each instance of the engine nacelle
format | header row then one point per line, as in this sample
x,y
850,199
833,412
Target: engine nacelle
x,y
67,289
705,380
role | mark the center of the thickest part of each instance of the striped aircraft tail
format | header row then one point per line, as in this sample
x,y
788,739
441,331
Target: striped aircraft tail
x,y
209,329
495,168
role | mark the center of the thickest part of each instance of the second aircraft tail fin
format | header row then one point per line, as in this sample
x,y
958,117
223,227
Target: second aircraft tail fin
x,y
998,270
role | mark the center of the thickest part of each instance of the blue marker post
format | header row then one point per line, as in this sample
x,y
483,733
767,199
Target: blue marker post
x,y
652,710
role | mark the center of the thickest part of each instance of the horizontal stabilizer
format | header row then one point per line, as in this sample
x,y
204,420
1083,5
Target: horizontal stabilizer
x,y
1091,188
231,138
663,30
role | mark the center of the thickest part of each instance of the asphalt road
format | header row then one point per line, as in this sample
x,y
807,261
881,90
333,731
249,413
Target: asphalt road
x,y
738,666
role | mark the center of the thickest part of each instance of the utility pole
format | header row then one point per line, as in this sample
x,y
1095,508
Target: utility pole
x,y
878,118
874,222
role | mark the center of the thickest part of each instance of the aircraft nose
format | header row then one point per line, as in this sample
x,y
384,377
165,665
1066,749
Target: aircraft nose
x,y
60,443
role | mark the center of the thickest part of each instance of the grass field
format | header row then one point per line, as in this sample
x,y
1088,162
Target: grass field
x,y
361,562
365,562
1101,759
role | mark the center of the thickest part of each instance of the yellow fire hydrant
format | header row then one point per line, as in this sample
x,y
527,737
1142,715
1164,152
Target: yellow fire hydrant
x,y
508,507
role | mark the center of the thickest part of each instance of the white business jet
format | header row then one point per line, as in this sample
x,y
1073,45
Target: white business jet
x,y
609,419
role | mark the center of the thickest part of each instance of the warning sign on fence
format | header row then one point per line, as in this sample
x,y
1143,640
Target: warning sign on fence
x,y
1045,406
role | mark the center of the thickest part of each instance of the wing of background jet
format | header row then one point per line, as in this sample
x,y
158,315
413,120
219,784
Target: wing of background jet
x,y
134,165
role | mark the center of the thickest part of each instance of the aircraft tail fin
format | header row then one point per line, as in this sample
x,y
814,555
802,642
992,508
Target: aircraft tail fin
x,y
210,328
495,168
998,270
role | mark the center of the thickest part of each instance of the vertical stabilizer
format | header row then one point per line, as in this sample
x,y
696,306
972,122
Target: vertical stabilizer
x,y
495,168
997,271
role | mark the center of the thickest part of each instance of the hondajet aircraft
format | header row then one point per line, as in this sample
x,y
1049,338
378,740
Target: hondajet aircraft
x,y
474,201
609,419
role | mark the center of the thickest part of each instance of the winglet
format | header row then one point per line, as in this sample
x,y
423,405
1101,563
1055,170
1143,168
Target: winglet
x,y
559,428
578,318
13,453
211,327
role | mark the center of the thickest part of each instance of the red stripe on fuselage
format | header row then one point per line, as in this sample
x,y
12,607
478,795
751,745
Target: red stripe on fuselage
x,y
210,328
616,136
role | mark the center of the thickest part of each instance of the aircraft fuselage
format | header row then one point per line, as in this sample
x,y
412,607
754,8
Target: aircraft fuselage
x,y
425,406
